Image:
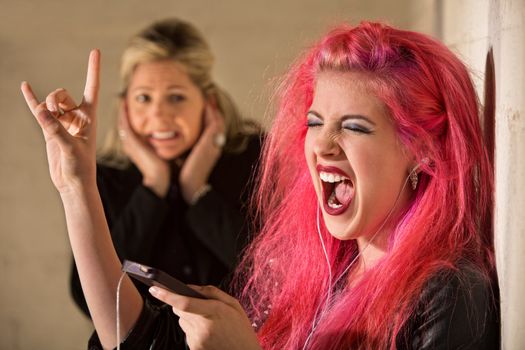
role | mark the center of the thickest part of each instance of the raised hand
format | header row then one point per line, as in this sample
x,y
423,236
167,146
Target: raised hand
x,y
204,155
69,130
217,323
155,171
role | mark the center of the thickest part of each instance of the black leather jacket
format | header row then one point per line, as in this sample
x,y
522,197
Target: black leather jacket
x,y
455,311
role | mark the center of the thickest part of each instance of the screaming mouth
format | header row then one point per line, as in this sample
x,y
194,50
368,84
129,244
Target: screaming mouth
x,y
338,191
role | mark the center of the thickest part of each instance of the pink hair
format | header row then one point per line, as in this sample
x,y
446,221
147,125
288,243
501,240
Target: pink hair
x,y
434,107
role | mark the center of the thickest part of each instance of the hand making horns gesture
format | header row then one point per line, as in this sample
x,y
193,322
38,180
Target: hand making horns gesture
x,y
69,130
70,134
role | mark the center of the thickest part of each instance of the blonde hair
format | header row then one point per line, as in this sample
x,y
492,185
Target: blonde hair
x,y
176,40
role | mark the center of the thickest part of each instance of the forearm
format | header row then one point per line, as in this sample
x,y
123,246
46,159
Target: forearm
x,y
98,265
70,144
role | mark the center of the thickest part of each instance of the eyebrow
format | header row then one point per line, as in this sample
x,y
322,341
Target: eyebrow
x,y
171,87
345,117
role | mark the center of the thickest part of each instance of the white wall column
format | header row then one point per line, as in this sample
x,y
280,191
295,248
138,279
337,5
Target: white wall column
x,y
471,27
507,35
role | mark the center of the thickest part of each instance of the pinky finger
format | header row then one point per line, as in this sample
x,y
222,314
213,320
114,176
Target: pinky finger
x,y
29,96
213,118
50,126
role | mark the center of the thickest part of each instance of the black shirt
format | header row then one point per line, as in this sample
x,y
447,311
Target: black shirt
x,y
198,244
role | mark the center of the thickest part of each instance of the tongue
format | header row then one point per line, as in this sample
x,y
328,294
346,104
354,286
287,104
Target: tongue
x,y
343,192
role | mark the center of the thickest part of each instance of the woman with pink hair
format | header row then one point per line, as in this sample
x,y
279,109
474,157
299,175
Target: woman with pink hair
x,y
372,211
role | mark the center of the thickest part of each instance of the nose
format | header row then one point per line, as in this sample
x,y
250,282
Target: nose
x,y
325,144
159,110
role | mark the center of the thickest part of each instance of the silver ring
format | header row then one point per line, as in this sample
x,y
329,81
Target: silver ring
x,y
219,140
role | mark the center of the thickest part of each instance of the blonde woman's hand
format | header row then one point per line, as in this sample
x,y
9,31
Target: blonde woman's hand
x,y
155,171
216,323
69,130
204,155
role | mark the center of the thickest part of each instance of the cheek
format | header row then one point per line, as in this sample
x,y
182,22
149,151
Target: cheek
x,y
308,149
136,113
136,117
381,185
310,156
192,120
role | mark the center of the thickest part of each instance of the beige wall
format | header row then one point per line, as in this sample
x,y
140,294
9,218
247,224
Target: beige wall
x,y
46,43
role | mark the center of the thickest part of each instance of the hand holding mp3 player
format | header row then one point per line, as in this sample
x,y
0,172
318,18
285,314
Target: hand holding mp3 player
x,y
155,277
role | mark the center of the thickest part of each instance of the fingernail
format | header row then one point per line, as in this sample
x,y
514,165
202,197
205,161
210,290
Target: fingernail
x,y
154,290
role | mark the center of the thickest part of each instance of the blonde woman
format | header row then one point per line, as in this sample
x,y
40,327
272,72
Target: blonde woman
x,y
172,174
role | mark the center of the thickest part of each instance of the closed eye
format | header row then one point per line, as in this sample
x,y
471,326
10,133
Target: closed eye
x,y
313,120
356,127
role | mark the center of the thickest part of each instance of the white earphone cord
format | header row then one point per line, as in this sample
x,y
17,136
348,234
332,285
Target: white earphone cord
x,y
316,319
118,309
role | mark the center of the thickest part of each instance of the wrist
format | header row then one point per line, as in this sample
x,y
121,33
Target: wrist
x,y
159,187
199,193
78,189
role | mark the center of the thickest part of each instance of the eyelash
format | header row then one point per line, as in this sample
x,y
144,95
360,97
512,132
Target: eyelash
x,y
352,127
358,128
311,123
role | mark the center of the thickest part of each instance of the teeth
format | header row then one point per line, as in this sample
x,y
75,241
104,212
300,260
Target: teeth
x,y
331,202
331,178
163,134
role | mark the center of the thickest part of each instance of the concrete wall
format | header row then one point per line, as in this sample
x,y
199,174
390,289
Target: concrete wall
x,y
470,27
46,43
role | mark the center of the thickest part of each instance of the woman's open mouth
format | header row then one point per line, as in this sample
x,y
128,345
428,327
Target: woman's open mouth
x,y
338,189
164,137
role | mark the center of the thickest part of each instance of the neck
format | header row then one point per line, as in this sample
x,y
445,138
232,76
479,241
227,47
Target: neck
x,y
372,248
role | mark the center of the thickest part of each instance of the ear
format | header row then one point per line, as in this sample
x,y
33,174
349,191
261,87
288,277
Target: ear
x,y
416,166
413,164
211,99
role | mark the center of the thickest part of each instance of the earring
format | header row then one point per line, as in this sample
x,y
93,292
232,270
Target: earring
x,y
413,179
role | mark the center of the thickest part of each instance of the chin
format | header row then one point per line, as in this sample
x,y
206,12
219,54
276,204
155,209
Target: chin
x,y
340,231
168,155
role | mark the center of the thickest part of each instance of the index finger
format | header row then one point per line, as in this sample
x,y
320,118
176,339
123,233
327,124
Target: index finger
x,y
92,78
212,292
181,303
